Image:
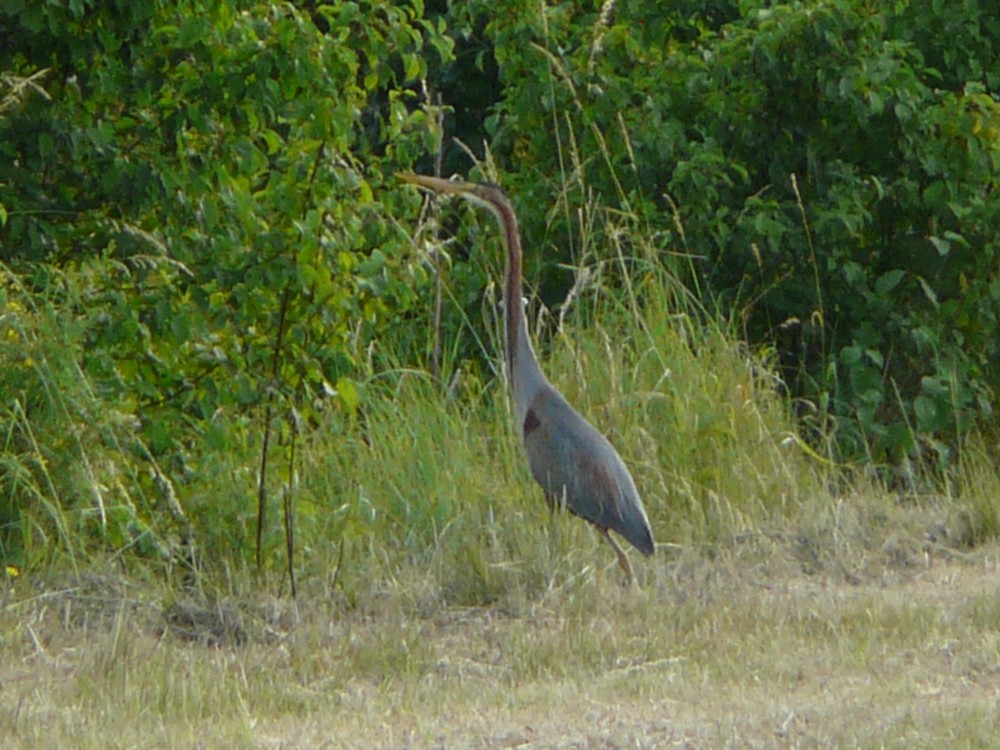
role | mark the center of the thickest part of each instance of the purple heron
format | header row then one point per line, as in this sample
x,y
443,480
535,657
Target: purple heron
x,y
575,464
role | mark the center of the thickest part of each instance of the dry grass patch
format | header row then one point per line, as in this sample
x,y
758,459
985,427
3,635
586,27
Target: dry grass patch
x,y
743,650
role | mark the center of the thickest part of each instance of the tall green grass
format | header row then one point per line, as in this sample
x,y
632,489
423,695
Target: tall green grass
x,y
71,466
430,483
424,493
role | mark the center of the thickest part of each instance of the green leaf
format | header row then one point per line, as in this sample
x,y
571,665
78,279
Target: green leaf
x,y
935,386
941,245
926,413
348,393
850,355
889,281
928,291
192,29
412,63
956,238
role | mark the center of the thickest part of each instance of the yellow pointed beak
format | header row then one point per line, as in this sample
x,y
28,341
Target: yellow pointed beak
x,y
455,187
489,197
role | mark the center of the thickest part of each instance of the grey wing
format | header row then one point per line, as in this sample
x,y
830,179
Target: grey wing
x,y
578,467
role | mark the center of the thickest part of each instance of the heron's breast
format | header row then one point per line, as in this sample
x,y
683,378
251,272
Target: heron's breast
x,y
531,423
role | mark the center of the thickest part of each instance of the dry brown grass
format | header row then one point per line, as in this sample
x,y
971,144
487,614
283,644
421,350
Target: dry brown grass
x,y
745,649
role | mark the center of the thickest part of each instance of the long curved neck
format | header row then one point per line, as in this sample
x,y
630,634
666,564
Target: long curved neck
x,y
526,376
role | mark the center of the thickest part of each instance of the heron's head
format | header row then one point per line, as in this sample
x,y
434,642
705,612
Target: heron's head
x,y
489,196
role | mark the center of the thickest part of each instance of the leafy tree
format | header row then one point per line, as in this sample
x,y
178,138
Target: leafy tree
x,y
827,168
197,181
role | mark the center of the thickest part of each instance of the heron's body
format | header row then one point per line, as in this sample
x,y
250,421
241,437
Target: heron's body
x,y
577,467
574,463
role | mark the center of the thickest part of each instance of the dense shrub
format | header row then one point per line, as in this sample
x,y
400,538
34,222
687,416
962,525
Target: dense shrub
x,y
196,224
828,167
222,158
195,184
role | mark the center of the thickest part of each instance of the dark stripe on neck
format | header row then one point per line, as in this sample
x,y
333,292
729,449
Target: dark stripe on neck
x,y
512,291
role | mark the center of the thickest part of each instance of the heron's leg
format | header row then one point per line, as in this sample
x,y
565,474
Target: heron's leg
x,y
622,559
556,505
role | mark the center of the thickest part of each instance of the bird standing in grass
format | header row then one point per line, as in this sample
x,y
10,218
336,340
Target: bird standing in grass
x,y
576,466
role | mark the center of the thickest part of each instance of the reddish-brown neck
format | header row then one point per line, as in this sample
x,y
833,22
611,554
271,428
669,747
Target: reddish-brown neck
x,y
512,291
526,377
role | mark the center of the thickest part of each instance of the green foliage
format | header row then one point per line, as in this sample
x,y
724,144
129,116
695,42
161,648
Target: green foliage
x,y
219,160
71,466
828,167
200,247
428,488
193,185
